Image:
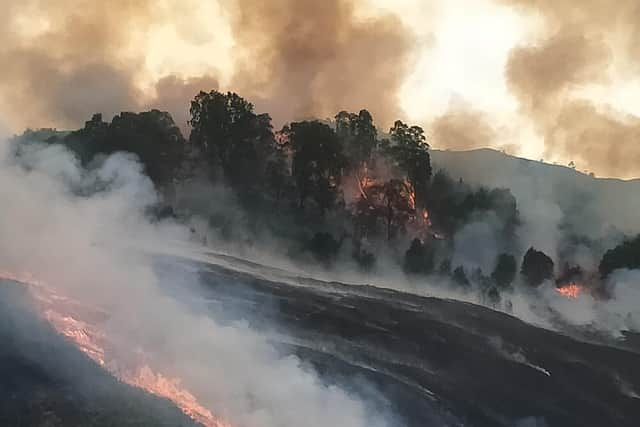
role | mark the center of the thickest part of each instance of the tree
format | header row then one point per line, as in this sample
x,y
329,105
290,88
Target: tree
x,y
317,164
391,201
460,277
418,259
505,271
408,149
151,135
625,255
231,135
154,137
358,135
324,247
536,267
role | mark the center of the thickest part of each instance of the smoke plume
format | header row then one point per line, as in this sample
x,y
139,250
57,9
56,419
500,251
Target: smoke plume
x,y
462,128
64,61
303,58
584,43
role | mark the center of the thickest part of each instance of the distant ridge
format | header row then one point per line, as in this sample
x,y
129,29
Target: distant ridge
x,y
596,203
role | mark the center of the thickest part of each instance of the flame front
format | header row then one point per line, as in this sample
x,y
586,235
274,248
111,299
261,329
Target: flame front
x,y
572,290
80,324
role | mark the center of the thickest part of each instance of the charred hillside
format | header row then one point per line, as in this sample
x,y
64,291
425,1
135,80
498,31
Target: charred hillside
x,y
47,381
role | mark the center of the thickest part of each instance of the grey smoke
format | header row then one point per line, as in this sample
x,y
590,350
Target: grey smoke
x,y
96,249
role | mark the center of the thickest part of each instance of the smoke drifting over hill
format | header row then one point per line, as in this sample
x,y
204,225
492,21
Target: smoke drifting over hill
x,y
96,249
585,43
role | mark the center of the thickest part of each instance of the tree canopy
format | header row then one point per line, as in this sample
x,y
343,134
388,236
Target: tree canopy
x,y
317,162
625,255
536,267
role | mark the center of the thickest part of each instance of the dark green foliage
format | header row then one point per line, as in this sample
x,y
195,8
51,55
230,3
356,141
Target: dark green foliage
x,y
317,164
240,142
324,247
454,203
409,151
419,258
358,135
625,255
153,137
505,271
536,267
150,135
460,277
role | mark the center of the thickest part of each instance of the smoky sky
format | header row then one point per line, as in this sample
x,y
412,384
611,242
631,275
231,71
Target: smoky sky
x,y
64,60
294,59
583,38
306,58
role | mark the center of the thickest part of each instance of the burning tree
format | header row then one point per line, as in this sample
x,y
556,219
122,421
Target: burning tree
x,y
391,201
409,151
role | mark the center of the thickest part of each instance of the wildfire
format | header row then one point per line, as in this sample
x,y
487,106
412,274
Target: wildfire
x,y
571,290
81,325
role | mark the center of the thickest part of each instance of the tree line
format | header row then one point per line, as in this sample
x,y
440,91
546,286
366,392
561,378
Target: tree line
x,y
340,184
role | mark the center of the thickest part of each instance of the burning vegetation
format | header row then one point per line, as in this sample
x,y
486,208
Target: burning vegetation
x,y
571,290
82,325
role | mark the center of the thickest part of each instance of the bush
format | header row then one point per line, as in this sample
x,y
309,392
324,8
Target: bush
x,y
536,267
324,247
419,258
625,255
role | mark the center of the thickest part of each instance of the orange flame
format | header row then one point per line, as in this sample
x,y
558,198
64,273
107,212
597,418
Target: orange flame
x,y
87,336
572,290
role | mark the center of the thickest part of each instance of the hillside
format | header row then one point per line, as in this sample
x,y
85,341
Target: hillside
x,y
594,203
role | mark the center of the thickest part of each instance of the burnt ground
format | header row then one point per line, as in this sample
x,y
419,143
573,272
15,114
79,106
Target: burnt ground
x,y
423,361
430,361
46,381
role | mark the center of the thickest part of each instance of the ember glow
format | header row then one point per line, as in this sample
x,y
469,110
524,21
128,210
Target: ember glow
x,y
571,290
81,325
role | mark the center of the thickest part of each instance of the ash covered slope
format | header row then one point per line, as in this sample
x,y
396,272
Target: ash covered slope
x,y
46,381
588,200
438,362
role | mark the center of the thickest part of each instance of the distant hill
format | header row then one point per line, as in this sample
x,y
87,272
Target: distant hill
x,y
592,204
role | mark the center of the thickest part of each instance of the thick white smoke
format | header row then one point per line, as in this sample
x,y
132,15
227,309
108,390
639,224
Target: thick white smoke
x,y
85,233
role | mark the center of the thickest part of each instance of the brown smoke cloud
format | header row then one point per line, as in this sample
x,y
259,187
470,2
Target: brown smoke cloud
x,y
462,128
60,73
585,37
174,94
64,60
305,57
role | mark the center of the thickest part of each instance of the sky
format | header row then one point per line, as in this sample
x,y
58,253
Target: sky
x,y
543,79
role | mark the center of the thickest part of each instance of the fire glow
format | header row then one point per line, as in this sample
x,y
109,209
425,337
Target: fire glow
x,y
571,290
81,325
